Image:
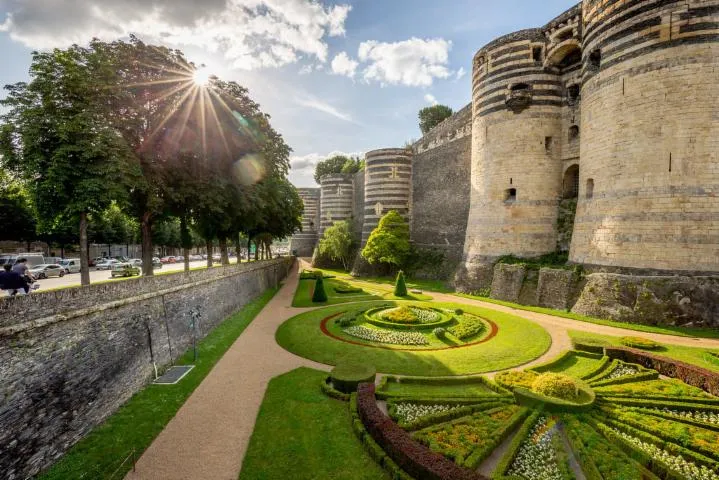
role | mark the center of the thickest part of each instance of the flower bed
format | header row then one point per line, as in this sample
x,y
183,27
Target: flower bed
x,y
468,328
537,457
386,336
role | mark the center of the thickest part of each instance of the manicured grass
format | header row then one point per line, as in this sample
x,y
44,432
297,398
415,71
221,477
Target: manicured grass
x,y
518,341
302,434
423,390
698,356
136,424
679,331
575,365
412,283
303,294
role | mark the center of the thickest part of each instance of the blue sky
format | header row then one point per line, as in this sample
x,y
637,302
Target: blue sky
x,y
335,76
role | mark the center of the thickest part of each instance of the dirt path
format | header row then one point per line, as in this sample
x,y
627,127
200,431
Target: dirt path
x,y
208,437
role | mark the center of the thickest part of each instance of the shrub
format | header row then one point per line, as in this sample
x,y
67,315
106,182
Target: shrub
x,y
459,312
439,332
319,294
401,315
468,328
556,385
511,379
347,376
400,288
347,289
641,343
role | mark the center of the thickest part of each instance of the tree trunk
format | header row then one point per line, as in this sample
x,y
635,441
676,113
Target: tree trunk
x,y
249,244
84,251
146,229
224,258
269,250
257,251
238,249
62,251
208,245
185,239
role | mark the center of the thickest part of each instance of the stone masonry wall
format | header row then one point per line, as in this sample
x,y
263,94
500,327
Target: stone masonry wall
x,y
70,358
555,288
441,166
507,282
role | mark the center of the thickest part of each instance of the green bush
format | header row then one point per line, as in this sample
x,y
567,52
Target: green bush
x,y
511,379
400,288
319,295
641,343
439,332
459,312
556,385
330,391
468,328
347,289
347,376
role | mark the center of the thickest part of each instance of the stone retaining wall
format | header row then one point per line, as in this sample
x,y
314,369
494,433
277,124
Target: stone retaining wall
x,y
70,358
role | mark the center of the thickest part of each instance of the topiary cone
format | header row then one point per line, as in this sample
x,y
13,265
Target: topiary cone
x,y
319,294
400,288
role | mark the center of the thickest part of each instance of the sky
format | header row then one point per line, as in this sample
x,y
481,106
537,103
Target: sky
x,y
335,76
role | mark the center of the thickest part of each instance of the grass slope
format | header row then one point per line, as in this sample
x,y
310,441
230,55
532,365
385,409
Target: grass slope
x,y
370,291
301,434
136,424
517,342
697,356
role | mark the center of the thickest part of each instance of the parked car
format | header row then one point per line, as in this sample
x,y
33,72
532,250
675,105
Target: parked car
x,y
70,265
179,258
135,262
168,259
52,260
156,262
106,264
124,270
195,258
47,270
33,259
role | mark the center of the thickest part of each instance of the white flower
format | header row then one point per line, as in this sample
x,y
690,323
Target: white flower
x,y
386,336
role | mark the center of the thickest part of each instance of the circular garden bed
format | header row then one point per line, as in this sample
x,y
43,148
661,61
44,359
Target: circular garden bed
x,y
415,338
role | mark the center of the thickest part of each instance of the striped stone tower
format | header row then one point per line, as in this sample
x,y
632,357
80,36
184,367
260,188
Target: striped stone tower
x,y
388,186
303,243
336,199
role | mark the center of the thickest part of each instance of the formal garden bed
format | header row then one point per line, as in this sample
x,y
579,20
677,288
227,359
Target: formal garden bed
x,y
588,416
415,338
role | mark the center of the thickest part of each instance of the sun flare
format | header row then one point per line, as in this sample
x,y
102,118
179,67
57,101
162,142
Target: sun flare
x,y
201,77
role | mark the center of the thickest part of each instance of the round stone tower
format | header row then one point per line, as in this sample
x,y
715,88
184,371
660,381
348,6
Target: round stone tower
x,y
517,112
649,175
303,243
336,199
388,186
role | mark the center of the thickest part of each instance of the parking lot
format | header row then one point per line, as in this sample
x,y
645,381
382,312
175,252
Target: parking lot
x,y
73,279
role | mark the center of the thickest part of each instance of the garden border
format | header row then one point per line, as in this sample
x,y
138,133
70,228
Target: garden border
x,y
493,333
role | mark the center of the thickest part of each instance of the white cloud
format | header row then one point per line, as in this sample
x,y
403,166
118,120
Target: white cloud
x,y
317,104
460,73
303,166
249,33
342,64
429,98
414,62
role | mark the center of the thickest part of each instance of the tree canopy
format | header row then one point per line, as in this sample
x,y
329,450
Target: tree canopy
x,y
338,164
430,117
336,243
388,243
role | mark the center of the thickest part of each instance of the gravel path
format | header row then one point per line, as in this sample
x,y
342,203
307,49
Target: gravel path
x,y
208,437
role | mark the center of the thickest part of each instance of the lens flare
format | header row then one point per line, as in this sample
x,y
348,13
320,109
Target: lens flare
x,y
201,77
249,169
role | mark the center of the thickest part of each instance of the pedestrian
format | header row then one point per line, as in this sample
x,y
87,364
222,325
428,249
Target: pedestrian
x,y
12,283
21,268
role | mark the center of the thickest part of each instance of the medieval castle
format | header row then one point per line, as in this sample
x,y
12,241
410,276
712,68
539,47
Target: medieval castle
x,y
597,134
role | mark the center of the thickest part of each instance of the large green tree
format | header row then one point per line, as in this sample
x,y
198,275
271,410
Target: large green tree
x,y
338,164
336,243
17,216
388,244
55,134
430,117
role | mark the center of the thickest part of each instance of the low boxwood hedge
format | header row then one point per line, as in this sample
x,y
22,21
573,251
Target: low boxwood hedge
x,y
415,459
436,418
506,461
689,374
330,391
641,343
442,381
346,376
584,346
538,401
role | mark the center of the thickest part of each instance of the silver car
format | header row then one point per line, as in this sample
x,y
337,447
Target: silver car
x,y
47,270
106,264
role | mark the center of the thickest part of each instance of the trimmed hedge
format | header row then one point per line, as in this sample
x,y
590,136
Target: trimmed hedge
x,y
436,418
674,418
689,374
705,404
330,391
556,385
347,289
415,459
537,401
440,381
588,347
400,287
639,377
481,454
544,367
510,379
319,295
346,377
641,343
506,461
605,363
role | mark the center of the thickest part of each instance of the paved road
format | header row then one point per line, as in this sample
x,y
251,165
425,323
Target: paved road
x,y
73,279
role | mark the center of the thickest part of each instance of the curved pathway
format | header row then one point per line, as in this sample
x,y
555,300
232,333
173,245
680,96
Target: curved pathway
x,y
209,435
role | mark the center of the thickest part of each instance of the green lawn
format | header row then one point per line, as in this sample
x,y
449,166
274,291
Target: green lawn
x,y
665,330
574,365
697,356
517,342
301,434
370,291
412,283
136,424
446,390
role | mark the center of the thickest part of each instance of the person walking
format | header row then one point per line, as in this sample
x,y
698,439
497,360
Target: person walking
x,y
12,283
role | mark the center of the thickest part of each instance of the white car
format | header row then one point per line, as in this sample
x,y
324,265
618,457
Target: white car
x,y
135,262
47,270
70,265
106,264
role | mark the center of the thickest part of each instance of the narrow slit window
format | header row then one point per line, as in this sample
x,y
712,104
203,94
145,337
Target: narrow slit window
x,y
537,54
510,195
548,144
595,58
573,93
573,133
